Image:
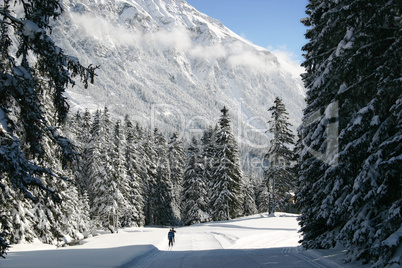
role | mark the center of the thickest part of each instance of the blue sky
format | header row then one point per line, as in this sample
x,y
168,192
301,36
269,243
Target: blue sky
x,y
272,24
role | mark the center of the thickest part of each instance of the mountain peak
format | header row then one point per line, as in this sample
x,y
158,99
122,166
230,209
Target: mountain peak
x,y
164,63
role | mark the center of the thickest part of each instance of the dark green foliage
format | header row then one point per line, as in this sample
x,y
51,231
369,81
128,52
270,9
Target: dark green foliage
x,y
280,180
249,204
24,85
163,191
195,196
135,189
350,158
177,160
226,198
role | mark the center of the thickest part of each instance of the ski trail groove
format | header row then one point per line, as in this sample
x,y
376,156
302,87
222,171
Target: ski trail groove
x,y
308,259
149,258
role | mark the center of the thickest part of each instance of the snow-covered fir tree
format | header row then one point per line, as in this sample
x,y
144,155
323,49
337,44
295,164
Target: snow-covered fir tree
x,y
262,197
135,196
279,178
93,152
163,192
73,129
208,159
23,121
106,198
249,204
118,174
177,160
17,220
47,220
79,130
195,195
350,157
226,198
149,176
53,218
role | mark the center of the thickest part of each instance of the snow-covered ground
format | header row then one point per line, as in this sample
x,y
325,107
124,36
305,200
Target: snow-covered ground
x,y
254,241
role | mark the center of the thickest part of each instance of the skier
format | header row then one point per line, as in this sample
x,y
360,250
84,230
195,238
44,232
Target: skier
x,y
171,237
174,233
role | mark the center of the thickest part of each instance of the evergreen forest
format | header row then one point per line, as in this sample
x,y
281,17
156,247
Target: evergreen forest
x,y
64,175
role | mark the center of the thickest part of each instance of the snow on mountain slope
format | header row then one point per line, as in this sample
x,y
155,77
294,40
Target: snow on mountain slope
x,y
169,66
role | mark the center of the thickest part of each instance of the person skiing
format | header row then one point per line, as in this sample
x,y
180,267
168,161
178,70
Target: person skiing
x,y
171,237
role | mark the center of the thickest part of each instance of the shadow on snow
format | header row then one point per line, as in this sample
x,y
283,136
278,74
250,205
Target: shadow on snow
x,y
232,258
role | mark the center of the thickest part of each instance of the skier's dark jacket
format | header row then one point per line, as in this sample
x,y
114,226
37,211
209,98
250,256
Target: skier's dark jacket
x,y
170,235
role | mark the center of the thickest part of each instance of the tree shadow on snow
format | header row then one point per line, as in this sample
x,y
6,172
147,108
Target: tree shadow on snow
x,y
150,256
75,257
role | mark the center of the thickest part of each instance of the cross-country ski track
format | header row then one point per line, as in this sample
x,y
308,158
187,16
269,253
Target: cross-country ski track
x,y
254,241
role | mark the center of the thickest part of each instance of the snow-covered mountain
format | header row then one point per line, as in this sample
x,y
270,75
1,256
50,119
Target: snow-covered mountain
x,y
169,66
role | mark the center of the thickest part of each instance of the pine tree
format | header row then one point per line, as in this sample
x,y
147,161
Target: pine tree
x,y
351,133
176,158
263,198
149,174
195,201
208,151
249,204
105,195
118,174
92,157
133,172
163,192
279,178
23,121
226,198
80,130
80,219
74,220
19,221
57,221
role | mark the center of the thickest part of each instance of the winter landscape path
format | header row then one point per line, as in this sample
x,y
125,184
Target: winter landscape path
x,y
273,257
254,241
231,244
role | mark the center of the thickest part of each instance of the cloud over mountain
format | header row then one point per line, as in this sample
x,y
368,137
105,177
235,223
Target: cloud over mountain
x,y
168,65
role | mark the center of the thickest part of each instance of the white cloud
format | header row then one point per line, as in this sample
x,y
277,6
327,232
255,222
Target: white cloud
x,y
118,35
106,32
252,60
288,59
178,38
208,53
237,53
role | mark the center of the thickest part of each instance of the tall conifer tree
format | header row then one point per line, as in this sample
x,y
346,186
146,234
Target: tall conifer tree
x,y
263,198
176,157
106,197
23,123
208,160
149,175
133,172
118,174
163,191
195,201
279,178
226,199
249,204
350,158
83,141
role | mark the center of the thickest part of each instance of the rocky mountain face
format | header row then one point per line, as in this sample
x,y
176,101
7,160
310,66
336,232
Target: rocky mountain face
x,y
169,66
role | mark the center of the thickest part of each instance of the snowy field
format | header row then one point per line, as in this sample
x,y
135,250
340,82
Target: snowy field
x,y
254,241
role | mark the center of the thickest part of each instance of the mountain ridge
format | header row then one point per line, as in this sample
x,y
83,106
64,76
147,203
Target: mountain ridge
x,y
169,66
